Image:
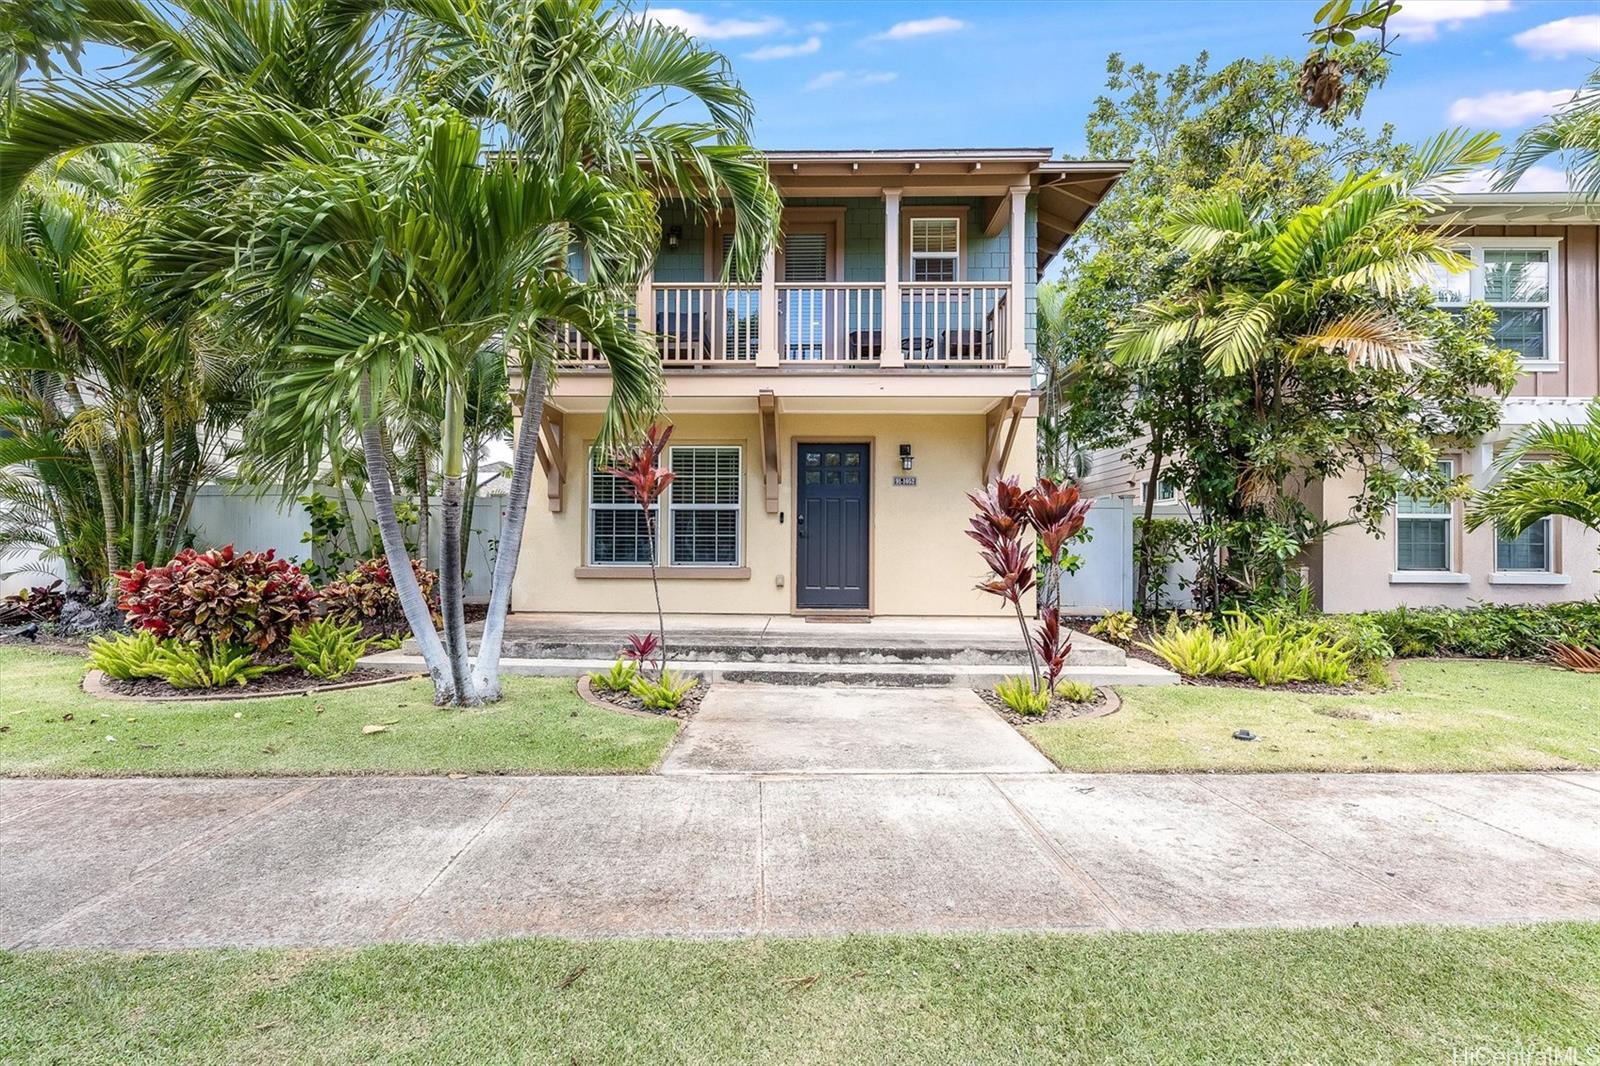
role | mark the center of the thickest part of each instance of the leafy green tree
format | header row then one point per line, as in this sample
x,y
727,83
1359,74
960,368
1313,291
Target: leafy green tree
x,y
1552,469
1572,133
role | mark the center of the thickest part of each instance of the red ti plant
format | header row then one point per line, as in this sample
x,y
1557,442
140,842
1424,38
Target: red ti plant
x,y
1049,640
998,527
640,469
1057,514
640,647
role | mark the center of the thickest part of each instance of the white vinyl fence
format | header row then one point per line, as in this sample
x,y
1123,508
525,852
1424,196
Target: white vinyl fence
x,y
1104,583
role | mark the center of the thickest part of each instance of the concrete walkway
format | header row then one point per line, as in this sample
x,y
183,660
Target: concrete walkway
x,y
188,863
846,730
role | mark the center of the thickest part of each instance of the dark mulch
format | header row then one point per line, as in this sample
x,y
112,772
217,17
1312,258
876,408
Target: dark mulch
x,y
291,679
1060,710
629,702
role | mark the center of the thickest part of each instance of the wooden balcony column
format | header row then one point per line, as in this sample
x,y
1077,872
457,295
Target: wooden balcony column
x,y
1017,299
767,311
891,355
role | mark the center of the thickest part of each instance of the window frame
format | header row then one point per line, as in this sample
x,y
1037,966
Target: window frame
x,y
1448,517
737,507
913,256
1474,247
1548,521
591,507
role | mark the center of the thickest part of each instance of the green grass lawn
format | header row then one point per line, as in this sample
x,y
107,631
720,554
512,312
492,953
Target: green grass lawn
x,y
1337,995
49,727
1456,715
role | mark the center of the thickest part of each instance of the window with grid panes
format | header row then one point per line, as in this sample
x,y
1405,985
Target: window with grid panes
x,y
935,248
1423,529
618,534
703,506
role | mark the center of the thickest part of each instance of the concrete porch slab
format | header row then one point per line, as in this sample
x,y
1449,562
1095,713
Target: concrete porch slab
x,y
773,729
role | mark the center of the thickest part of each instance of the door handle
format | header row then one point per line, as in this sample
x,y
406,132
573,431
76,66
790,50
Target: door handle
x,y
800,524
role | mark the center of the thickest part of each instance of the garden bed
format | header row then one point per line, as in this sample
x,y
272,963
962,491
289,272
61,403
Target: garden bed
x,y
291,681
1105,702
631,704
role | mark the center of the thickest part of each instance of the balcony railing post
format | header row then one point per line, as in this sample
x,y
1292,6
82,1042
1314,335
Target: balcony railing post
x,y
767,312
891,354
1017,354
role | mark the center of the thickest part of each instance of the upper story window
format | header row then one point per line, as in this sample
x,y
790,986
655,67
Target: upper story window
x,y
935,249
1519,278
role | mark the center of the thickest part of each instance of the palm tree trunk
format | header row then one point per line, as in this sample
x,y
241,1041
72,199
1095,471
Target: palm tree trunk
x,y
486,673
406,588
468,504
424,504
141,485
102,481
450,592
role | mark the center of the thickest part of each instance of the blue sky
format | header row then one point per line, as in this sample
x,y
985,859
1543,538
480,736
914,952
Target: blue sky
x,y
886,74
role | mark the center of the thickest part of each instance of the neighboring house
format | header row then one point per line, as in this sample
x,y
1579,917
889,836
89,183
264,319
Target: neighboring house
x,y
831,415
1536,259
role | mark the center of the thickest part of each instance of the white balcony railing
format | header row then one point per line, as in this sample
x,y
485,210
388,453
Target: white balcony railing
x,y
830,323
956,324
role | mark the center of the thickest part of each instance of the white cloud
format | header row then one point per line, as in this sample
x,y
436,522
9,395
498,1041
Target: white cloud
x,y
711,29
901,31
809,46
1537,179
831,79
1505,109
1575,36
1420,20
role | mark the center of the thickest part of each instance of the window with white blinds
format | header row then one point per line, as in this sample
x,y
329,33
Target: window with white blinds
x,y
935,249
703,506
734,275
805,257
618,533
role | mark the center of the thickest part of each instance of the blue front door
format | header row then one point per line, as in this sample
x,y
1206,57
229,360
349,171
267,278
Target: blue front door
x,y
831,526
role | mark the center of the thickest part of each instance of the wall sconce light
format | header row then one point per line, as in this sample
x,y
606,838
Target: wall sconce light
x,y
674,237
905,457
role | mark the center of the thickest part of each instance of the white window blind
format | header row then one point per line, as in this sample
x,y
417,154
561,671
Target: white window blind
x,y
935,249
805,257
1423,529
704,506
618,534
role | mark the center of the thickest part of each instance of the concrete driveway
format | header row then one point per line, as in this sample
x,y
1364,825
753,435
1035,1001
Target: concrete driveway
x,y
818,729
169,863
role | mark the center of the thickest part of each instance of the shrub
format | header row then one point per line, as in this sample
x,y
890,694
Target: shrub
x,y
41,603
327,649
367,597
1194,652
218,597
1118,627
664,694
1019,694
125,656
183,664
1075,691
619,678
1490,631
1270,650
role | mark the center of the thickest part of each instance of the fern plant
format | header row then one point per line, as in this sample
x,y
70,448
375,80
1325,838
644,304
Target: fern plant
x,y
1198,651
664,694
326,649
619,678
1020,695
125,656
185,665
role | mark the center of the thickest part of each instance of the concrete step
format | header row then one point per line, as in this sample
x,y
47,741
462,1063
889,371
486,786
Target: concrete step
x,y
864,650
897,674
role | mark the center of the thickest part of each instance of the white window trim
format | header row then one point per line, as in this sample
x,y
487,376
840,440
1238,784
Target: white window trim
x,y
737,508
1549,556
912,255
1475,247
1449,575
630,505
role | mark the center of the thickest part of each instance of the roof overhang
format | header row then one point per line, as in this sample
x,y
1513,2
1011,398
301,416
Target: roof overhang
x,y
1518,208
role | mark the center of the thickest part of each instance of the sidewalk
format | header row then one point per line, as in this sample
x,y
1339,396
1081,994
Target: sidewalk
x,y
191,863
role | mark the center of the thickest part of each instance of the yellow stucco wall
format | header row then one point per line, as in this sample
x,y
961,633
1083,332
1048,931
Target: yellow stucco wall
x,y
921,562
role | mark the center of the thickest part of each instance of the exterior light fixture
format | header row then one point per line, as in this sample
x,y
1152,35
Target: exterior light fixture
x,y
674,237
905,457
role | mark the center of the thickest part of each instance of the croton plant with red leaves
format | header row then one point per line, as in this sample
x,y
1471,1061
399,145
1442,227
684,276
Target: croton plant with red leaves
x,y
366,596
219,596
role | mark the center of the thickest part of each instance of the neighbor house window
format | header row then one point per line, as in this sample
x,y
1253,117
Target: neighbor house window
x,y
935,249
1529,552
1423,529
1166,491
618,535
703,506
1518,277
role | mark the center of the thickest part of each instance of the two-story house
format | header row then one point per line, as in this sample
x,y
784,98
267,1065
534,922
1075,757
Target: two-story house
x,y
1536,261
831,414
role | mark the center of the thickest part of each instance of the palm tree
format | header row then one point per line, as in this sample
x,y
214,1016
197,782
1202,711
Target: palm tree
x,y
1573,132
1552,468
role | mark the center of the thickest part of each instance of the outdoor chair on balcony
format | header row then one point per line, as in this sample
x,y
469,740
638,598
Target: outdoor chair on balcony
x,y
867,345
681,336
